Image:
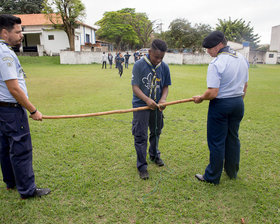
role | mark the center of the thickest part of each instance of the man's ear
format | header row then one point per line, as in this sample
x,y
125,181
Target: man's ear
x,y
4,34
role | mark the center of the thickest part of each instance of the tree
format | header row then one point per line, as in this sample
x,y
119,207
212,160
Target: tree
x,y
21,6
69,11
126,28
238,31
141,25
201,31
115,27
182,35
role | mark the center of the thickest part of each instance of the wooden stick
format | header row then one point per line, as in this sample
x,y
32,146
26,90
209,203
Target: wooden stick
x,y
115,111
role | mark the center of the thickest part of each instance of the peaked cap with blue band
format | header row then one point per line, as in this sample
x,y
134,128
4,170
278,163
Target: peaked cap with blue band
x,y
213,39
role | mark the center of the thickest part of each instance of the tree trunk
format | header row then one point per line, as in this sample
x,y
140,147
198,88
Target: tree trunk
x,y
71,38
72,42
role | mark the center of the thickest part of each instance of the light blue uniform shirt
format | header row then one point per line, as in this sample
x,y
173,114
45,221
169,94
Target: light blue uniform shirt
x,y
10,68
229,73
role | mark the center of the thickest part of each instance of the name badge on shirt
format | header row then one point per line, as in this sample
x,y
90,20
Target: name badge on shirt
x,y
8,60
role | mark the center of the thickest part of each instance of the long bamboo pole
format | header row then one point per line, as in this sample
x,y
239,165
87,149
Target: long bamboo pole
x,y
115,111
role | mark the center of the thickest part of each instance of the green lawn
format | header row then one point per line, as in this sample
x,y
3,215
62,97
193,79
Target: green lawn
x,y
90,163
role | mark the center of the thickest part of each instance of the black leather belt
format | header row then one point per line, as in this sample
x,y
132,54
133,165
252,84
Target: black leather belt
x,y
7,104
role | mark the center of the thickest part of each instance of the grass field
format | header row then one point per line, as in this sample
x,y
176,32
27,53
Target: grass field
x,y
90,163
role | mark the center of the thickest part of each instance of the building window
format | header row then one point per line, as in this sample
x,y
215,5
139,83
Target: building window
x,y
271,55
87,38
51,37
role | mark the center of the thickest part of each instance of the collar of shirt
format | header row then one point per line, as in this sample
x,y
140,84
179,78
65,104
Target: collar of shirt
x,y
4,42
227,50
147,59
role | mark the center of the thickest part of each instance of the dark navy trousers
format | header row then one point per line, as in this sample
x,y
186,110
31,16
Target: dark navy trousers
x,y
142,120
16,150
224,117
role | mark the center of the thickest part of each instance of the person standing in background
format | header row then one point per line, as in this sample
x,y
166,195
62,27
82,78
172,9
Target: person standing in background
x,y
104,60
110,59
126,59
136,55
120,61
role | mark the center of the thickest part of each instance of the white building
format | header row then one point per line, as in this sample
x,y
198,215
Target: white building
x,y
41,36
274,55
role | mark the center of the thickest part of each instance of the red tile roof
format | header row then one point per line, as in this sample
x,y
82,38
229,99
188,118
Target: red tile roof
x,y
42,19
36,19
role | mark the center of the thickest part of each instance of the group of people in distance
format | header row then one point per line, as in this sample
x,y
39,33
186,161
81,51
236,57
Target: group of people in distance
x,y
227,79
119,60
137,56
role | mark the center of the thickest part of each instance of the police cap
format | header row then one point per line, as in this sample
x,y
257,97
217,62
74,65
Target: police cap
x,y
213,39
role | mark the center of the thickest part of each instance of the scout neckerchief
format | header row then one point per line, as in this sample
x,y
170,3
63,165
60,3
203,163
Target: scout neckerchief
x,y
3,41
227,50
154,79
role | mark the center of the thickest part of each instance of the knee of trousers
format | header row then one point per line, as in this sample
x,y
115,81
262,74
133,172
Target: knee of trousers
x,y
138,139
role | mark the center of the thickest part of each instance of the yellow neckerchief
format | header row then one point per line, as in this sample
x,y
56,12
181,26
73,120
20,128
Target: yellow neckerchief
x,y
227,50
153,81
4,42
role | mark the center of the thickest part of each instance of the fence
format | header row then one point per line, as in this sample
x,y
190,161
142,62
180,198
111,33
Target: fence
x,y
84,57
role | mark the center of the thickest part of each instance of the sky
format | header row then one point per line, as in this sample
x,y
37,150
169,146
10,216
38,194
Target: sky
x,y
262,14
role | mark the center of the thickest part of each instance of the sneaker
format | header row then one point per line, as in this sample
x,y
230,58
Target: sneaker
x,y
37,193
144,174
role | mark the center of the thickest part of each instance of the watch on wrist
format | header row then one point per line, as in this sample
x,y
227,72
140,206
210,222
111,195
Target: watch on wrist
x,y
33,112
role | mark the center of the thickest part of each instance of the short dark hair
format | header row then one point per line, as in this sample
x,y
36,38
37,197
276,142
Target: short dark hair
x,y
8,21
224,42
158,44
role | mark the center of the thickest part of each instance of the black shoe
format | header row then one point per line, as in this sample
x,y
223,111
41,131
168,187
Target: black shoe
x,y
157,161
11,188
144,174
37,193
200,177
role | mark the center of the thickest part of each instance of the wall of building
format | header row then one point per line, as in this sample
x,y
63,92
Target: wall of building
x,y
89,57
53,47
257,57
33,39
60,42
84,57
271,57
275,39
84,31
196,59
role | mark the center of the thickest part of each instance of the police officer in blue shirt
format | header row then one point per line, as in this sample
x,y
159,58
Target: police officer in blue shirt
x,y
227,78
150,81
15,139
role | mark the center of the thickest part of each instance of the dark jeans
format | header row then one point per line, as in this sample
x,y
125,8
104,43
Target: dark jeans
x,y
104,64
120,67
16,150
142,120
224,117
